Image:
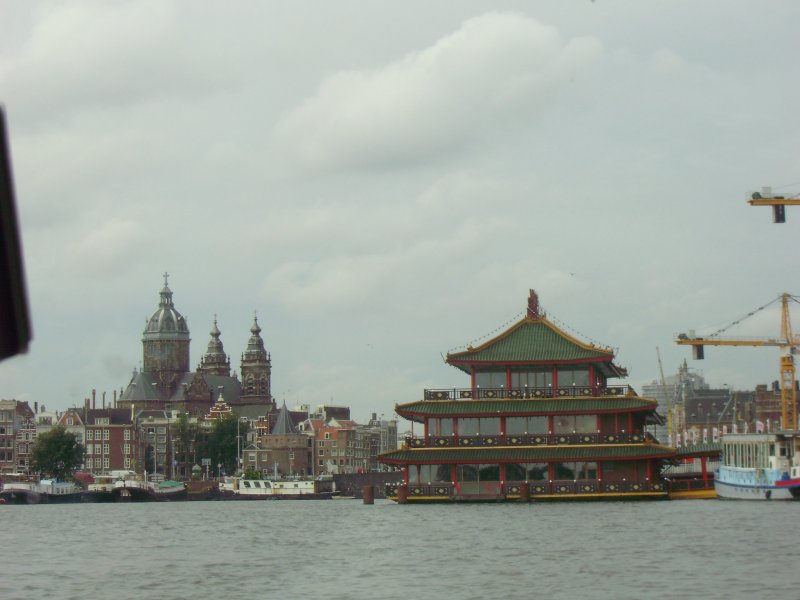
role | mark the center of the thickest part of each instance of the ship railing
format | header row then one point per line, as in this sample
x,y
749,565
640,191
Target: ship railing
x,y
516,489
571,391
535,439
691,468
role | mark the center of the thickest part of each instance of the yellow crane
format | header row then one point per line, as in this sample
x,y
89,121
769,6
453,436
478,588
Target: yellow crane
x,y
787,341
778,203
665,392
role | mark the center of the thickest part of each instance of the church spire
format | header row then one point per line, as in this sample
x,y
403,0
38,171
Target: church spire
x,y
256,368
215,361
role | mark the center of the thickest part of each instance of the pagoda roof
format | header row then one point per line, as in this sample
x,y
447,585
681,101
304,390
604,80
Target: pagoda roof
x,y
534,340
511,454
528,406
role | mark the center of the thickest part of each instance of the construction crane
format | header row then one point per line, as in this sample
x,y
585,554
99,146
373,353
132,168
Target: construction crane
x,y
664,390
787,341
778,203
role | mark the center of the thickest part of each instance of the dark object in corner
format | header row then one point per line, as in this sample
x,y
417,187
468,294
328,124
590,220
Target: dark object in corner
x,y
15,327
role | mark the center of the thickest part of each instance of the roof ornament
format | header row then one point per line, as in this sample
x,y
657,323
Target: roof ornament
x,y
534,310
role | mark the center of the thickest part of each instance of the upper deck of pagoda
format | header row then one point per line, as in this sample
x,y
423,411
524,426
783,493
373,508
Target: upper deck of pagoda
x,y
535,341
419,410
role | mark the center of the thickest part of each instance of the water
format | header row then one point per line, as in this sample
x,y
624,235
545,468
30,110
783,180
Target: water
x,y
345,549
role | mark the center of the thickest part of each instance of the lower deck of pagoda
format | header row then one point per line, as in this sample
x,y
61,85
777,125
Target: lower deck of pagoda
x,y
567,472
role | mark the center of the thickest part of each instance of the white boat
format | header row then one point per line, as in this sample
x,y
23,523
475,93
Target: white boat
x,y
288,489
760,466
46,491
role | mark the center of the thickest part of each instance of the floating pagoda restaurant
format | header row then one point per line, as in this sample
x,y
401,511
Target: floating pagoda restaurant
x,y
539,421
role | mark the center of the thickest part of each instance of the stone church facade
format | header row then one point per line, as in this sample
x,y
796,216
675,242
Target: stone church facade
x,y
166,382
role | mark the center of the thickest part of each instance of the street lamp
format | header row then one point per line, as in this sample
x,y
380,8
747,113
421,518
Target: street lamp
x,y
239,444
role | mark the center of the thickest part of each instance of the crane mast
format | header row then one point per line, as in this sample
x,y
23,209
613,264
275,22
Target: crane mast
x,y
668,401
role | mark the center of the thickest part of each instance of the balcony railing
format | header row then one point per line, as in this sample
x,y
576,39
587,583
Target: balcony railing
x,y
535,439
513,490
572,391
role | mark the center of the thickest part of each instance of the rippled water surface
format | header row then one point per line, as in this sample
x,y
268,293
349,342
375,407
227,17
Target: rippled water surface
x,y
345,549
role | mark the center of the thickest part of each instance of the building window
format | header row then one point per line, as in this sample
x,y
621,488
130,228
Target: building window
x,y
70,421
127,463
127,449
89,434
89,448
291,455
105,434
127,434
106,448
105,463
322,452
327,435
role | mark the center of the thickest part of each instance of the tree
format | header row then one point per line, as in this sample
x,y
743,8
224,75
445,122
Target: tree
x,y
251,473
56,454
185,444
222,446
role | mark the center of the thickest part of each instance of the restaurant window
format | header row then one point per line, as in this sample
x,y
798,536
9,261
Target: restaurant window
x,y
515,472
563,471
468,426
572,376
586,470
575,423
538,471
435,474
522,377
491,379
440,427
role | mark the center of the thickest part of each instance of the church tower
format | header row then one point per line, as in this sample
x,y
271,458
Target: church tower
x,y
165,344
256,369
215,361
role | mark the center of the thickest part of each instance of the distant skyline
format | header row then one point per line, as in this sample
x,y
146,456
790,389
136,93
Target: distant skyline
x,y
384,182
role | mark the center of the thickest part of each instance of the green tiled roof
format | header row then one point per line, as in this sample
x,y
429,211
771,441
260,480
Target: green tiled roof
x,y
532,340
526,453
527,406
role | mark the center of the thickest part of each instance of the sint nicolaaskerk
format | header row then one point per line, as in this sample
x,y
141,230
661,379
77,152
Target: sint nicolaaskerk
x,y
165,380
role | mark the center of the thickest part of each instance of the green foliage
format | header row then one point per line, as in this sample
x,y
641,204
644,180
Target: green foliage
x,y
56,454
222,446
251,473
186,441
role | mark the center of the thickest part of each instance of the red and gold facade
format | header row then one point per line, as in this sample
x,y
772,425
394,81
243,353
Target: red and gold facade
x,y
539,421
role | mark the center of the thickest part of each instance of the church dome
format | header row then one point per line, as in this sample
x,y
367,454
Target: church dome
x,y
166,322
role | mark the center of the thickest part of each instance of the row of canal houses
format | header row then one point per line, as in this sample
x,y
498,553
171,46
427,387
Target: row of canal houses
x,y
299,442
541,419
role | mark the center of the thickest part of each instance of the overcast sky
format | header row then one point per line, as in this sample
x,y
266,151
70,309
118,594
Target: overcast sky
x,y
384,181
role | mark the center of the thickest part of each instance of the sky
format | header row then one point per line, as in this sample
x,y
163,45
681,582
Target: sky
x,y
383,182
